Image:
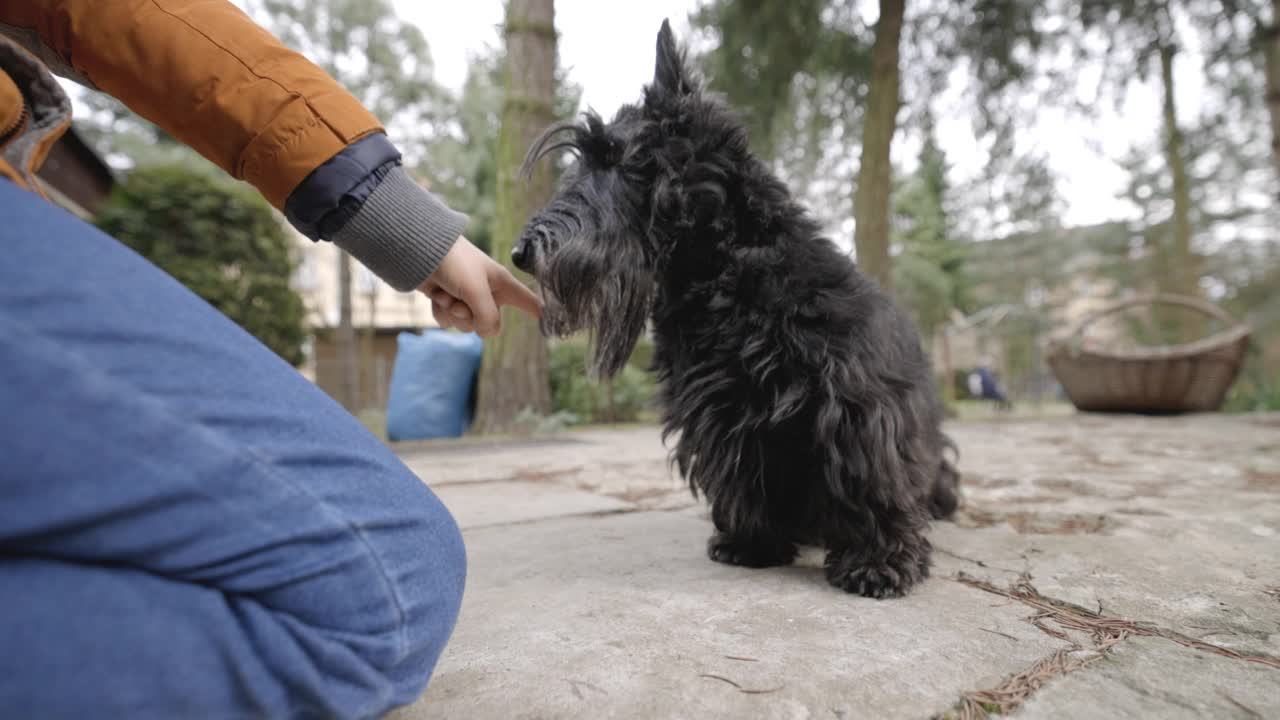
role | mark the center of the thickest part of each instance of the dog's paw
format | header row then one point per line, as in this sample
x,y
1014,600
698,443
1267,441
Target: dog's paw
x,y
876,579
879,582
749,553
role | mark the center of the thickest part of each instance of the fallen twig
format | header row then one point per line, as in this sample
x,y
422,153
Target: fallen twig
x,y
574,684
975,561
1014,692
745,691
1077,618
997,632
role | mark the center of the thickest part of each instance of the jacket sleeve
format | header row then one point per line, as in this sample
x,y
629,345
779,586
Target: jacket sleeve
x,y
208,75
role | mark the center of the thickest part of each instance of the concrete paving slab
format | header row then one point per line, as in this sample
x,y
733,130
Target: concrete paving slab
x,y
1177,525
476,505
1191,582
490,465
584,601
624,617
1153,678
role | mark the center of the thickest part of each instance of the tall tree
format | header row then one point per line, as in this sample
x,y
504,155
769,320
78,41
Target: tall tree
x,y
770,59
929,271
1197,187
1205,191
1270,34
384,62
871,200
464,160
513,373
1142,39
1183,274
1244,40
797,73
801,73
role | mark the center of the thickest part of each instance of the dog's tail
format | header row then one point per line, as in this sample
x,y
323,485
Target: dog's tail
x,y
945,498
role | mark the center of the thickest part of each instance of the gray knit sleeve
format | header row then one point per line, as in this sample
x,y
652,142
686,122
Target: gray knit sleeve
x,y
402,232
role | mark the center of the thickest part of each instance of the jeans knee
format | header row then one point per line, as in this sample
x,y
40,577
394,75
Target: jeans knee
x,y
449,566
432,581
382,623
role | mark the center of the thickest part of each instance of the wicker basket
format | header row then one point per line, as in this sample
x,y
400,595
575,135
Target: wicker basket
x,y
1192,377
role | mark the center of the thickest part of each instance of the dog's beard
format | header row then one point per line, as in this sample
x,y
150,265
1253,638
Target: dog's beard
x,y
604,285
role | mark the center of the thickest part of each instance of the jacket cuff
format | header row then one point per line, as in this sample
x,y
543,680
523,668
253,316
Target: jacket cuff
x,y
402,232
334,192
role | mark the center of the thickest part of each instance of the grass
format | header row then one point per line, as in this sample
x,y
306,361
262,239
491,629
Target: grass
x,y
984,410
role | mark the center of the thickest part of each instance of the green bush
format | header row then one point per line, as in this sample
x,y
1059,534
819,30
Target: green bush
x,y
960,381
1249,395
1257,387
221,240
584,401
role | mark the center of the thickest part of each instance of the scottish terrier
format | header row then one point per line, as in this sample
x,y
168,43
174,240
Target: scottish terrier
x,y
802,404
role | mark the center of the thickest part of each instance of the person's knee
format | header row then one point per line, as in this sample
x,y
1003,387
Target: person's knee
x,y
445,574
400,597
422,562
430,584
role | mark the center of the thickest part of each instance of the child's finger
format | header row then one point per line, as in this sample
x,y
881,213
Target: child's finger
x,y
441,315
507,290
439,295
479,299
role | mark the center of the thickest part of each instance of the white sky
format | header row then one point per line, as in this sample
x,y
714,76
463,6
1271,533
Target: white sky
x,y
607,47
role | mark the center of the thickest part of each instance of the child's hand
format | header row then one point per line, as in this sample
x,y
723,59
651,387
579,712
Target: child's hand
x,y
468,289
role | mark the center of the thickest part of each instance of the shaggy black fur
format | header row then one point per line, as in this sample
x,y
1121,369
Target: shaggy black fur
x,y
803,404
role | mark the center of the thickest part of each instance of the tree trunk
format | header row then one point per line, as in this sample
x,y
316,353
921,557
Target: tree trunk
x,y
1180,273
948,372
875,176
513,373
1271,46
348,371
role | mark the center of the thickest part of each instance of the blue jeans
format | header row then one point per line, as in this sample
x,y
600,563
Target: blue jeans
x,y
189,528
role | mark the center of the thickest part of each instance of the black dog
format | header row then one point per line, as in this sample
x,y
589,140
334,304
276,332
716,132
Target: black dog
x,y
805,408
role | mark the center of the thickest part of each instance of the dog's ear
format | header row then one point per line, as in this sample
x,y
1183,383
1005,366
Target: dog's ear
x,y
669,72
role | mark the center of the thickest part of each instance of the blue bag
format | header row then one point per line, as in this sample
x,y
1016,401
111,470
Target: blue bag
x,y
431,384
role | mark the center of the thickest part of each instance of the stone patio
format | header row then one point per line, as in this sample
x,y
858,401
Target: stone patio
x,y
1102,567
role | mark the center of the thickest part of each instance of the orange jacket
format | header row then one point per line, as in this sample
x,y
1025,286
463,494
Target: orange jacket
x,y
206,74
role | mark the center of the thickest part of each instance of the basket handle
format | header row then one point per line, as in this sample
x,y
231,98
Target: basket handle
x,y
1157,299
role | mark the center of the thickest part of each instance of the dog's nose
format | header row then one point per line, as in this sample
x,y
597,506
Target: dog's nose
x,y
521,256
